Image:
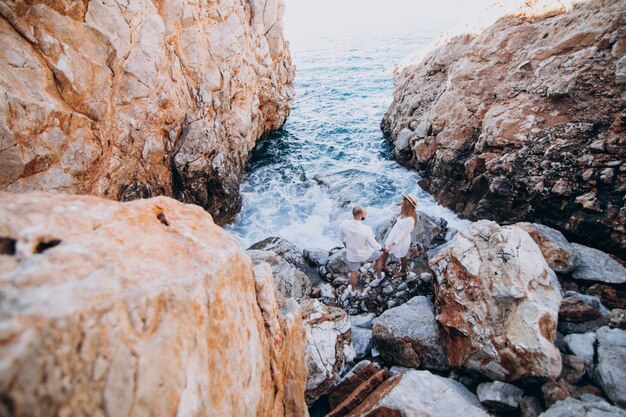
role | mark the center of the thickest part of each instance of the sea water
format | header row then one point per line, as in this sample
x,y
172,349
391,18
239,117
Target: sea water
x,y
304,179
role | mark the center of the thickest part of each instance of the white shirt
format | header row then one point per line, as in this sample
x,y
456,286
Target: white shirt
x,y
401,235
359,240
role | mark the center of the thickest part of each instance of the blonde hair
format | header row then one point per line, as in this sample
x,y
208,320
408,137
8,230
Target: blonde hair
x,y
408,211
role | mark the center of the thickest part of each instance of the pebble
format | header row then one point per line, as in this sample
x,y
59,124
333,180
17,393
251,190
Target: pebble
x,y
402,286
400,294
388,290
391,303
426,276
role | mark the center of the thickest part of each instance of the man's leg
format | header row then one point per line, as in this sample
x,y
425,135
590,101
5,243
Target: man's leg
x,y
354,279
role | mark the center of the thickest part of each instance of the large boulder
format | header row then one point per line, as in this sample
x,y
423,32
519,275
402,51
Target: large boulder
x,y
129,99
290,282
420,394
354,387
408,335
557,251
140,308
499,396
523,121
362,334
328,346
497,301
583,346
610,371
596,265
289,252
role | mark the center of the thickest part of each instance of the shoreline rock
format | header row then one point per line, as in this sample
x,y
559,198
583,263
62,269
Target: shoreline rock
x,y
523,122
128,100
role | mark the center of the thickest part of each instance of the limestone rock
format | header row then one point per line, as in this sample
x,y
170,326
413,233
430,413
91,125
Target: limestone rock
x,y
499,396
362,334
328,346
596,265
590,408
408,336
609,296
289,252
139,308
573,368
554,391
420,394
497,302
290,282
610,371
583,346
127,99
530,406
509,116
557,251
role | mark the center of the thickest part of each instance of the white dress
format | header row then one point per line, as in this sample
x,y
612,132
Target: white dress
x,y
401,235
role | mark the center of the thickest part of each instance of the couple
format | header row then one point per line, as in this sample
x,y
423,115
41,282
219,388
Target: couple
x,y
361,245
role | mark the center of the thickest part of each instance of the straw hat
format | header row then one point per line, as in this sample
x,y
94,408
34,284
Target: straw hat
x,y
411,199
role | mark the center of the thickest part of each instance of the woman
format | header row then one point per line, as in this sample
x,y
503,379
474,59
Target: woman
x,y
399,240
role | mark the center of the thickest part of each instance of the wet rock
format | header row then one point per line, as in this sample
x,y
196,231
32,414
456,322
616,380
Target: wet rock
x,y
581,314
502,112
290,282
408,336
116,104
499,396
362,334
598,266
497,302
557,251
610,371
109,308
328,346
589,407
420,394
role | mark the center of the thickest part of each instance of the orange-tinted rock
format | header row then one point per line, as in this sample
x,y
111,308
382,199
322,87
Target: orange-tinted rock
x,y
609,296
129,99
139,308
525,120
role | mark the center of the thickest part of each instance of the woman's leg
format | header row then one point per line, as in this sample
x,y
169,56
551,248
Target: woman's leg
x,y
404,262
381,263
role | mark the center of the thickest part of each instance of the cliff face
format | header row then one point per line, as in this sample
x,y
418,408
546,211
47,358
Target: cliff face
x,y
129,99
144,308
525,121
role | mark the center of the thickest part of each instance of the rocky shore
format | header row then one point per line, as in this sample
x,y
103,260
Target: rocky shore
x,y
130,100
524,121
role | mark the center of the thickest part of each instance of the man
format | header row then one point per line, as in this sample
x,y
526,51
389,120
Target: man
x,y
361,246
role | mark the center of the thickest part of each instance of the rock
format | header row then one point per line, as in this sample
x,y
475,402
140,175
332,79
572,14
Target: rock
x,y
499,396
328,346
129,100
609,296
337,263
497,302
289,252
610,371
617,318
530,406
507,121
573,368
598,266
354,387
583,346
420,394
581,313
571,407
362,334
408,336
289,281
554,391
146,306
315,257
557,251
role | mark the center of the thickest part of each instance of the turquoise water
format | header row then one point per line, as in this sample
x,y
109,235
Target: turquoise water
x,y
303,180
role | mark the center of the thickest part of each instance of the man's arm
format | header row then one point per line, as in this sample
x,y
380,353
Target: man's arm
x,y
371,240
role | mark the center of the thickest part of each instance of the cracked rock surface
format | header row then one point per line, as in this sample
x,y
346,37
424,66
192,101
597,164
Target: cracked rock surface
x,y
139,308
132,99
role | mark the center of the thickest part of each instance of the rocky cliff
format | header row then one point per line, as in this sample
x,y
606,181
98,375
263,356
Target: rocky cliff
x,y
129,99
144,308
524,121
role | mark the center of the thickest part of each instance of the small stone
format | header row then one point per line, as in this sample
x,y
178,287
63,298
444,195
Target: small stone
x,y
530,407
606,175
402,286
589,202
499,396
598,146
554,391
